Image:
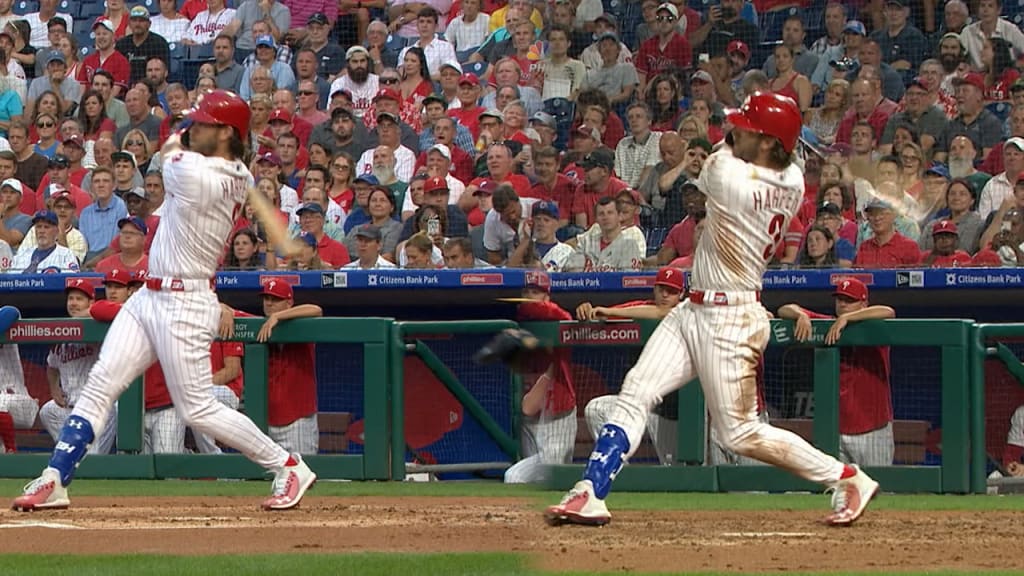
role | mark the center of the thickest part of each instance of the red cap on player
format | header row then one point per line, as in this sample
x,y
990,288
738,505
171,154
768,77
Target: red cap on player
x,y
83,285
670,277
117,276
278,289
539,280
851,288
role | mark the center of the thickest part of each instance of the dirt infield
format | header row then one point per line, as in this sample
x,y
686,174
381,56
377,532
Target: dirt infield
x,y
649,541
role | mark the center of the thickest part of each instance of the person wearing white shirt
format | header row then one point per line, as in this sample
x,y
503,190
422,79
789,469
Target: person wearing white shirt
x,y
1000,187
37,21
368,244
46,257
204,28
548,253
6,256
990,25
169,24
404,160
436,50
469,30
503,225
357,80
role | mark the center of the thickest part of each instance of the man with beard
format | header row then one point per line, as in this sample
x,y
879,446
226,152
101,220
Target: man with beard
x,y
953,57
974,119
388,132
358,81
962,152
383,164
344,133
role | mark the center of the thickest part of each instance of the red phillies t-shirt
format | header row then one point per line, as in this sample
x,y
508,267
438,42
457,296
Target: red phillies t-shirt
x,y
652,59
116,64
865,400
958,259
987,258
462,164
152,222
221,350
898,252
332,252
585,200
114,261
468,117
680,237
155,388
561,194
562,394
291,384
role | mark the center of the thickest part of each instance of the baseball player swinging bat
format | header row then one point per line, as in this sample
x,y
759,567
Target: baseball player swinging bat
x,y
720,332
175,317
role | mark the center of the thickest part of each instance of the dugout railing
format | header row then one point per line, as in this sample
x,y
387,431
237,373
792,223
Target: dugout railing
x,y
367,344
997,390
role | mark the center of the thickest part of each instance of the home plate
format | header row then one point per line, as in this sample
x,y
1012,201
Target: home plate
x,y
33,524
768,534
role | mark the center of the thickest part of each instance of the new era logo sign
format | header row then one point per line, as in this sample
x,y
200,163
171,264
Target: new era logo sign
x,y
902,279
910,279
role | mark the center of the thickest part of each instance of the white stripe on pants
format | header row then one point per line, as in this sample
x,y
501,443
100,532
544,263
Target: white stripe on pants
x,y
225,396
53,417
875,448
722,346
545,441
302,436
175,328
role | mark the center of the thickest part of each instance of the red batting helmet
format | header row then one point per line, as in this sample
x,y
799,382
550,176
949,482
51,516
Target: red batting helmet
x,y
770,114
222,108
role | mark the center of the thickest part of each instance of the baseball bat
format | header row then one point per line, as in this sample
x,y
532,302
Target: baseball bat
x,y
277,234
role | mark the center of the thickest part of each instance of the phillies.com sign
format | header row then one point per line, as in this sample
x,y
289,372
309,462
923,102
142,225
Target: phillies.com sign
x,y
618,333
46,331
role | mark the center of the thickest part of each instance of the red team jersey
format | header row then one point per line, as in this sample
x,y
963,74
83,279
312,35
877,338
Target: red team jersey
x,y
865,400
291,385
221,350
652,59
116,64
958,259
562,396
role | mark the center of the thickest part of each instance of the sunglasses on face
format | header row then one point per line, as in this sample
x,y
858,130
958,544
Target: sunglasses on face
x,y
666,19
135,143
306,93
389,80
45,125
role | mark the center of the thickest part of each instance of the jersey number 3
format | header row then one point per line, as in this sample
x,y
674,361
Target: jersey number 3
x,y
775,231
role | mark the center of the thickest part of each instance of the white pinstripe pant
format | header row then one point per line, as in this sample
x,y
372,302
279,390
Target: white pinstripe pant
x,y
874,448
545,441
721,345
175,328
53,417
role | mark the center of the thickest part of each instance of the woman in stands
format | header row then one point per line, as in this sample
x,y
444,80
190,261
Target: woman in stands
x,y
169,24
47,103
117,13
912,158
417,253
902,135
431,224
787,81
415,84
21,33
381,207
702,110
46,127
205,84
819,250
691,127
341,176
136,142
260,106
663,96
92,115
69,47
824,120
244,253
961,200
260,82
1000,73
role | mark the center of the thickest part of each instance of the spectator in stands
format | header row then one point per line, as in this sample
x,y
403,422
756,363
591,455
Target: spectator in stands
x,y
551,186
13,223
993,163
962,152
46,127
903,46
669,51
458,254
415,84
308,110
873,68
39,22
829,45
829,215
637,154
841,58
503,226
47,257
606,27
608,251
311,221
1004,236
723,26
139,118
920,113
125,172
945,253
136,143
648,26
380,207
436,51
268,165
142,45
819,249
339,181
438,161
886,248
508,73
865,400
206,26
468,30
560,75
692,127
824,120
868,106
156,74
1001,186
610,74
228,72
288,150
105,57
132,232
787,80
793,35
280,72
500,170
359,211
116,111
98,220
960,200
956,16
431,224
30,166
332,214
990,24
663,101
538,246
665,179
368,240
169,24
92,115
974,120
55,80
417,253
245,252
1000,74
63,205
250,18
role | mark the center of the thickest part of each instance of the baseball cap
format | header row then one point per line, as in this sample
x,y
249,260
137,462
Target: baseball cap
x,y
435,184
357,49
920,82
1016,141
738,46
851,288
828,208
629,193
607,36
138,12
545,119
608,19
944,227
280,288
139,223
270,157
82,285
442,149
266,40
62,161
367,178
492,113
899,3
389,93
587,132
486,187
670,8
137,277
702,76
45,215
280,115
855,27
342,111
435,98
138,191
878,203
117,276
470,79
63,195
55,56
454,65
671,277
973,78
105,22
537,279
387,116
311,207
13,183
544,207
123,155
938,170
369,231
317,18
600,158
74,139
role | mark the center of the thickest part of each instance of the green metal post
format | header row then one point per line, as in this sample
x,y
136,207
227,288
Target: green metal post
x,y
517,412
979,457
955,420
826,400
691,424
255,391
130,408
397,405
375,403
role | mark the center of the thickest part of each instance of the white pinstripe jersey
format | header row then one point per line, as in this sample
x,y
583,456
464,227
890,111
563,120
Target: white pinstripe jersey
x,y
1016,434
749,209
623,254
12,376
73,361
203,197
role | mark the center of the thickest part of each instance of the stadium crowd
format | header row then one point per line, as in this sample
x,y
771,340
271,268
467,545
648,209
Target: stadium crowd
x,y
565,135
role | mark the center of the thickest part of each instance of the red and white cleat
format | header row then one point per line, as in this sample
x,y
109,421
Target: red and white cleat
x,y
579,506
43,493
850,497
290,484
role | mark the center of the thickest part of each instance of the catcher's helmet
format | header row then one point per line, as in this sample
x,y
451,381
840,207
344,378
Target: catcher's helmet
x,y
770,114
222,108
